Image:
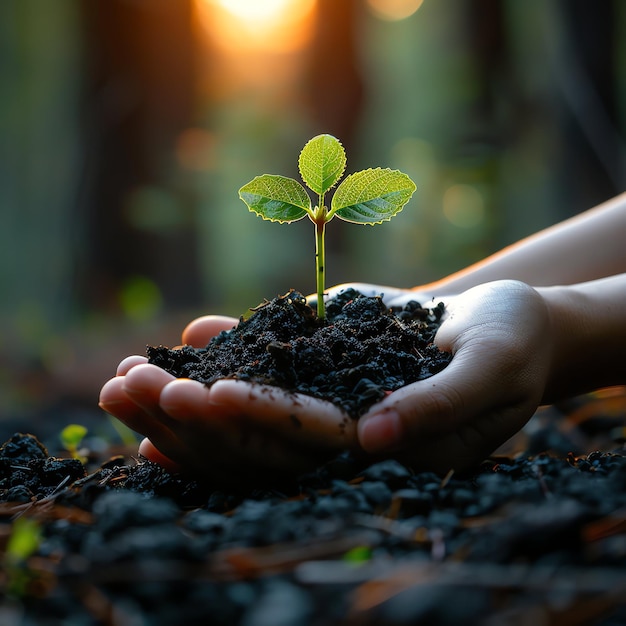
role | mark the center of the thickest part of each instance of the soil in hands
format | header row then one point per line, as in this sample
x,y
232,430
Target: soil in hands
x,y
360,352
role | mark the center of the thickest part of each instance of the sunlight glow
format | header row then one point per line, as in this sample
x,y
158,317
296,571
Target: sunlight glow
x,y
266,25
464,206
394,10
254,11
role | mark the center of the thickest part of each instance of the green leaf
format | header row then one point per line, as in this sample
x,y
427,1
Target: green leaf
x,y
358,554
276,198
322,162
371,196
72,435
25,538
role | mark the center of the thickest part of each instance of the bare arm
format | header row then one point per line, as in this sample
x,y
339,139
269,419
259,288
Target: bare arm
x,y
586,247
588,323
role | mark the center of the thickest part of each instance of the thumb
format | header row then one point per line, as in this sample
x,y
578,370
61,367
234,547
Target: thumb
x,y
450,421
201,330
485,394
425,409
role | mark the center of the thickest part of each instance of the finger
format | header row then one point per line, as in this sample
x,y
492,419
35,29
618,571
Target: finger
x,y
298,417
186,400
230,405
143,385
114,400
443,403
128,363
470,444
148,450
200,331
189,427
217,436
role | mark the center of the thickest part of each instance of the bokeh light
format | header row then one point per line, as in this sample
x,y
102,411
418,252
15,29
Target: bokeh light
x,y
140,298
463,206
394,10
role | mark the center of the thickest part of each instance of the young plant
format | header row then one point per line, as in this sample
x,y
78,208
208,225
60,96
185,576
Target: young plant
x,y
25,538
71,437
370,196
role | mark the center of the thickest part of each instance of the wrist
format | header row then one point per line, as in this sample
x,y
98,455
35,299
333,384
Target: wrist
x,y
588,336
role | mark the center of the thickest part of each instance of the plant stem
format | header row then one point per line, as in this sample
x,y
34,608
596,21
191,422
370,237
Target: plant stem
x,y
320,266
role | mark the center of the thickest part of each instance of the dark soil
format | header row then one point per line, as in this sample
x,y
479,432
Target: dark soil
x,y
361,351
534,537
525,540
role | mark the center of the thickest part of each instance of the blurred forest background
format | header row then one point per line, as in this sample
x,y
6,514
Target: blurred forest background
x,y
127,127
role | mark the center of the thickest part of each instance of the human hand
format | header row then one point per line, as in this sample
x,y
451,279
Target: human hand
x,y
499,334
230,431
500,337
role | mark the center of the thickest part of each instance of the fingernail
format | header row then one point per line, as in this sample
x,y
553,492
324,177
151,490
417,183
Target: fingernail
x,y
108,404
381,432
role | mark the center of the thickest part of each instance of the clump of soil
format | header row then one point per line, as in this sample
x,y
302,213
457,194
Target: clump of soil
x,y
361,351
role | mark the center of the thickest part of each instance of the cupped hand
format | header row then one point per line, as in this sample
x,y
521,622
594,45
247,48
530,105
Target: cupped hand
x,y
500,337
229,431
498,333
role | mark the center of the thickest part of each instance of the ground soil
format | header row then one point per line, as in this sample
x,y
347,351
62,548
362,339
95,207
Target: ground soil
x,y
536,535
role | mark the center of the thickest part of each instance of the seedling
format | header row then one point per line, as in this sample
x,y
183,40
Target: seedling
x,y
25,539
370,196
71,438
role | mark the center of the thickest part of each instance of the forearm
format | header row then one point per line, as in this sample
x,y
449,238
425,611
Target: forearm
x,y
588,328
583,248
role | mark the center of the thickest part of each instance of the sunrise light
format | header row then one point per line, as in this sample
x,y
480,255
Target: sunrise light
x,y
253,11
264,25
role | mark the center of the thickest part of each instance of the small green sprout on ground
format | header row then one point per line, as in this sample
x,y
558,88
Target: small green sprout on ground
x,y
25,539
71,438
357,555
370,196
